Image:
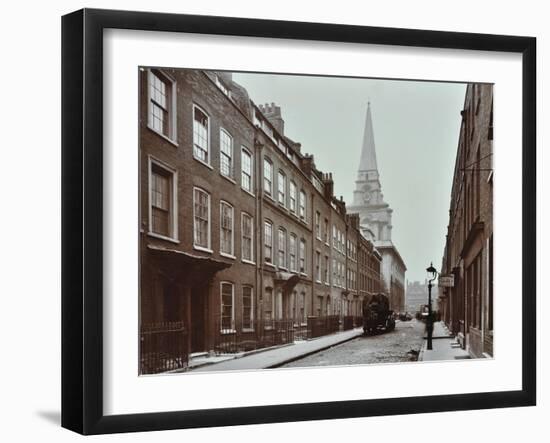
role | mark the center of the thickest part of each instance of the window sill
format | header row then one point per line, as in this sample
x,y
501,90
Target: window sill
x,y
303,274
248,329
203,249
224,254
282,268
203,163
248,192
160,134
163,237
229,179
271,265
248,262
319,282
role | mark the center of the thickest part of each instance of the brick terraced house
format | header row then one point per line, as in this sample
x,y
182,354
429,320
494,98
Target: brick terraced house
x,y
467,307
243,244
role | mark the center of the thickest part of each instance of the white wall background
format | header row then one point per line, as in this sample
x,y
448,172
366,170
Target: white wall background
x,y
30,222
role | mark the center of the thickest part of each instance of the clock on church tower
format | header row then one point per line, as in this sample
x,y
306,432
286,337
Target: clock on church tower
x,y
366,193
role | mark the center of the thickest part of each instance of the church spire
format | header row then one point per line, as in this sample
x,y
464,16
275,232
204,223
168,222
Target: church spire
x,y
368,152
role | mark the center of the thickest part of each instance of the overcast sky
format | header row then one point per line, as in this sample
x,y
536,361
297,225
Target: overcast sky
x,y
416,128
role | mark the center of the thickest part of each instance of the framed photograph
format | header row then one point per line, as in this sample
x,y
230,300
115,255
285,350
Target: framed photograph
x,y
269,221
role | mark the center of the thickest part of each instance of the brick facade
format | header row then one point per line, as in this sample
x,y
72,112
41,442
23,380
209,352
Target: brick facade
x,y
467,308
211,162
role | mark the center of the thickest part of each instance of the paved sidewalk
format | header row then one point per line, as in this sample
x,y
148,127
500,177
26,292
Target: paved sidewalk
x,y
277,357
444,346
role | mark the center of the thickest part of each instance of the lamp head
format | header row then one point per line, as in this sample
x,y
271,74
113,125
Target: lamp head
x,y
432,272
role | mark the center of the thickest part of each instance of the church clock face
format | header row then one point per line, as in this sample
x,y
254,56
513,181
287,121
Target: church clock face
x,y
366,193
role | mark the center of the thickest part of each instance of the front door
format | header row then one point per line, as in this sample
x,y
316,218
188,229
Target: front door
x,y
198,320
172,303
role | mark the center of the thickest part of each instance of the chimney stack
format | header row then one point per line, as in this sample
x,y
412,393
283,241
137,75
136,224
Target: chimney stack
x,y
273,114
226,76
329,185
308,164
354,220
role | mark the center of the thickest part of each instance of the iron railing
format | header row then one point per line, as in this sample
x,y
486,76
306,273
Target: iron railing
x,y
267,333
349,322
300,331
163,347
318,326
259,334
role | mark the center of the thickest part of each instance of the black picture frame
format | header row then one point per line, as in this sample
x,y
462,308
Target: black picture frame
x,y
82,218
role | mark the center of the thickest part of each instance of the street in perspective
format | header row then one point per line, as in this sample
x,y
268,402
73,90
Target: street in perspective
x,y
286,235
400,345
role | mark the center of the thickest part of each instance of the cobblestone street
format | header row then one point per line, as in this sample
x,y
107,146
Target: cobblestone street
x,y
388,347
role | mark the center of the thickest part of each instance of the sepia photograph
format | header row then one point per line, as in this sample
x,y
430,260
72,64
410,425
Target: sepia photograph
x,y
295,221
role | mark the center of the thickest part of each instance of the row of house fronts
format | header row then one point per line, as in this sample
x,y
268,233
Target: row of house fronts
x,y
467,305
241,236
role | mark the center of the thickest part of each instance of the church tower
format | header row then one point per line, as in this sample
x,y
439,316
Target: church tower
x,y
368,200
375,218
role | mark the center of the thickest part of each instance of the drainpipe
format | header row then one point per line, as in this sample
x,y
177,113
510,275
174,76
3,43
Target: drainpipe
x,y
259,267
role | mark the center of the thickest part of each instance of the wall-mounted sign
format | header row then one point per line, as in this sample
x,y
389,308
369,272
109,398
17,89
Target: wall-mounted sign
x,y
446,281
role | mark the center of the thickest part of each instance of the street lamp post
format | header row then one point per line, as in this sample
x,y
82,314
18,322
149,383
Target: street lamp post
x,y
432,275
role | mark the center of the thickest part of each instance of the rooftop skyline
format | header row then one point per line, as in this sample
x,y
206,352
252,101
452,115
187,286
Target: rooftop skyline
x,y
416,126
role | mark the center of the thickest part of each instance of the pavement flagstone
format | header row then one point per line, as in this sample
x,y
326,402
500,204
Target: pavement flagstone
x,y
443,346
273,358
